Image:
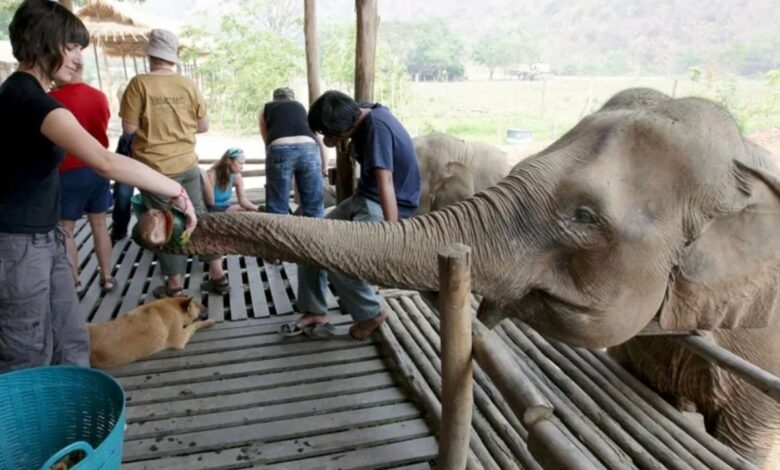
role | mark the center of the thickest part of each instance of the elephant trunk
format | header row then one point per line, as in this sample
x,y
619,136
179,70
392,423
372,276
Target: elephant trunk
x,y
399,254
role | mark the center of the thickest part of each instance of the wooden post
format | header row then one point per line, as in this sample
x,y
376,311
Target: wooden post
x,y
456,367
135,65
753,374
97,64
124,65
365,51
312,58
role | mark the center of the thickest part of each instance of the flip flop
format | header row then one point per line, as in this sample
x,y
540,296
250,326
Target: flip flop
x,y
107,285
326,331
293,328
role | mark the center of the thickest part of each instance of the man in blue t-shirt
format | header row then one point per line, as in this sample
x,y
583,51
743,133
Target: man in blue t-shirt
x,y
389,189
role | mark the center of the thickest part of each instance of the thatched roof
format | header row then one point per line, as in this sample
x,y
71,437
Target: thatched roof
x,y
118,28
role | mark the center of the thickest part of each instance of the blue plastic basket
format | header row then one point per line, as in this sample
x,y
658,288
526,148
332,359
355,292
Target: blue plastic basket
x,y
48,412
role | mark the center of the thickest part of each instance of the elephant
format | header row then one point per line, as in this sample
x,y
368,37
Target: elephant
x,y
451,170
649,209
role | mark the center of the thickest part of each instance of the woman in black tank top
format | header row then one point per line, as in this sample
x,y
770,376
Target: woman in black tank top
x,y
292,151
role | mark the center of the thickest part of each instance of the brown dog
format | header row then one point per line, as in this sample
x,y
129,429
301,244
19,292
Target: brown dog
x,y
146,330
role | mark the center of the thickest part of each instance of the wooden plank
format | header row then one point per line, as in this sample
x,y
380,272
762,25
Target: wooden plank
x,y
246,434
110,300
227,357
216,306
254,326
236,300
225,371
258,414
388,455
256,289
242,341
90,279
281,302
258,398
291,450
286,378
134,295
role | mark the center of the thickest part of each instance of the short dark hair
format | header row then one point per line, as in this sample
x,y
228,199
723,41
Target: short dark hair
x,y
333,113
40,29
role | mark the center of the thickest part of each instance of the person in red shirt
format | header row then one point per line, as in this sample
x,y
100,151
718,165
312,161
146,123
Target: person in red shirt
x,y
83,190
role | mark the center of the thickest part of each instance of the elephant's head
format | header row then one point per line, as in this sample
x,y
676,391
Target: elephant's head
x,y
650,206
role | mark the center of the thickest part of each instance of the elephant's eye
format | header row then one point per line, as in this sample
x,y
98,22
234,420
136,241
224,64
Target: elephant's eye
x,y
584,215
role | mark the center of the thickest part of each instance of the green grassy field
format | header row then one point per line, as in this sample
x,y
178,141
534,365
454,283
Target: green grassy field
x,y
482,110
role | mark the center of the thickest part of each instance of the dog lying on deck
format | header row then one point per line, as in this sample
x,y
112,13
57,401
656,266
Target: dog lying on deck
x,y
146,330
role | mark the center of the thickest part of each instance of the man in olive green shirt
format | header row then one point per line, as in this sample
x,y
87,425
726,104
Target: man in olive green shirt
x,y
165,110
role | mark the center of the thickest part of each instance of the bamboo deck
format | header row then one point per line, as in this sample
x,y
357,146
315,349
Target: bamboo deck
x,y
241,396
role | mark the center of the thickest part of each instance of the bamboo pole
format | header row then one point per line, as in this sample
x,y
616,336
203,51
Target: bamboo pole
x,y
686,448
643,446
312,59
758,377
526,402
456,369
493,415
716,447
434,380
545,441
416,382
591,436
711,452
486,394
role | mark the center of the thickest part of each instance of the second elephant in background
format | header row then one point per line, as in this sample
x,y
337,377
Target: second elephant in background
x,y
453,169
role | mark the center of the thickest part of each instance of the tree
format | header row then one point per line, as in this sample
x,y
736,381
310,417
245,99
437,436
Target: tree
x,y
338,63
431,50
245,62
494,51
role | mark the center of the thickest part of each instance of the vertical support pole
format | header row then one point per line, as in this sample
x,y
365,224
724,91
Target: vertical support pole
x,y
97,64
312,57
456,366
124,65
365,49
135,65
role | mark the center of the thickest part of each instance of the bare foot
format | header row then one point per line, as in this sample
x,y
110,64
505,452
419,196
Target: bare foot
x,y
363,329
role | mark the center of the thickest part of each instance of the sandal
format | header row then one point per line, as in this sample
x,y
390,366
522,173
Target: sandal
x,y
325,331
107,285
219,286
293,328
78,287
163,291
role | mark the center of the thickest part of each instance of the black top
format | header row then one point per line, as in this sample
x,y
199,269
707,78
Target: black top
x,y
285,118
29,181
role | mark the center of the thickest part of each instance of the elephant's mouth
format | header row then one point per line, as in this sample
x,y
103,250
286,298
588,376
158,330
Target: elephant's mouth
x,y
556,303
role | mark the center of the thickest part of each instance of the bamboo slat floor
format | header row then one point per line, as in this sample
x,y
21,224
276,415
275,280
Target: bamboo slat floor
x,y
242,396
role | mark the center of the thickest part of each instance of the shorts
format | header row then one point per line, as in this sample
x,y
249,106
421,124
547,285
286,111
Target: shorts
x,y
83,190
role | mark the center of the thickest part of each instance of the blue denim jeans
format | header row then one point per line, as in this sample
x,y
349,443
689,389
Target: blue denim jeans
x,y
357,297
283,161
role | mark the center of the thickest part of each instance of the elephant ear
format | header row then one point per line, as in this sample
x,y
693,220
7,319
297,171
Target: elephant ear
x,y
729,275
